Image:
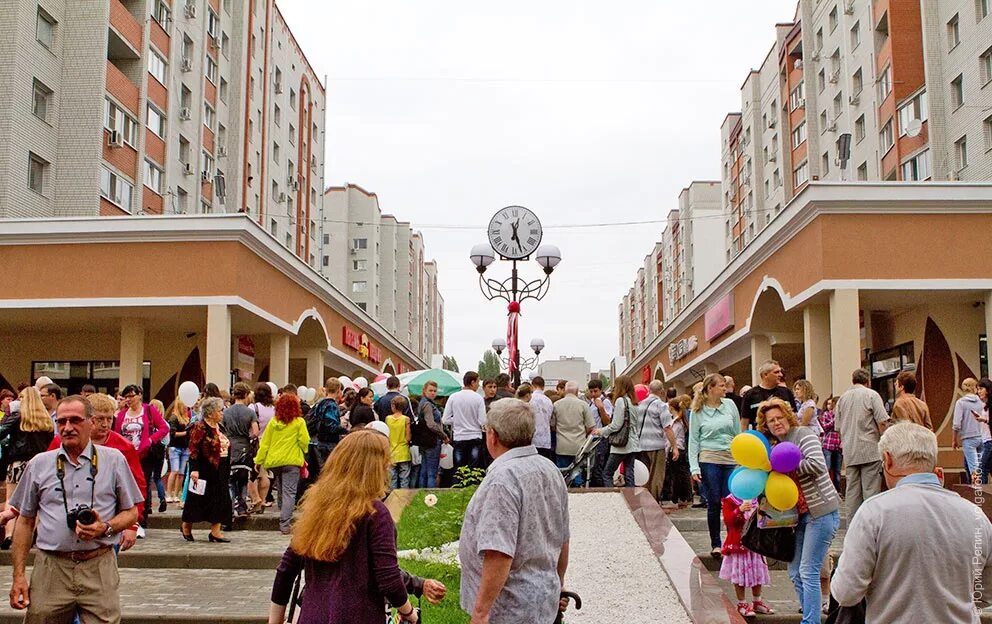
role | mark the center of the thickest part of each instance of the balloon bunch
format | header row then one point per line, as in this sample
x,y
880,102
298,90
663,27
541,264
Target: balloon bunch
x,y
764,469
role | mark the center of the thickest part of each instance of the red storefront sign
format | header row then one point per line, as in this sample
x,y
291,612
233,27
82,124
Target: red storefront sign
x,y
351,338
646,374
719,318
361,344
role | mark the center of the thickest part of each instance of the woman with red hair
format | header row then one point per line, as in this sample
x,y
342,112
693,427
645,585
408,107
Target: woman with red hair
x,y
281,451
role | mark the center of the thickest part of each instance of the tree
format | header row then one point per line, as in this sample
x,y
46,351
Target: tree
x,y
489,365
605,380
450,364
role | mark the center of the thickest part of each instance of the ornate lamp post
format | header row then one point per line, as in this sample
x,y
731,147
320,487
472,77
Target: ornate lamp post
x,y
515,233
536,345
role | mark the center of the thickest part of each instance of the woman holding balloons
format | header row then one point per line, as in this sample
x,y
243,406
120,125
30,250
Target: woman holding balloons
x,y
713,424
816,498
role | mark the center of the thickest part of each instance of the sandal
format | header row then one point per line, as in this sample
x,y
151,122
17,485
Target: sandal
x,y
745,609
760,606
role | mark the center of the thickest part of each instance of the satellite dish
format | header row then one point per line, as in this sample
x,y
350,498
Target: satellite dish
x,y
914,128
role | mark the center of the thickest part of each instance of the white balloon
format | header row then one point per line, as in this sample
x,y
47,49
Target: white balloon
x,y
641,473
345,381
303,392
361,382
188,393
311,395
274,388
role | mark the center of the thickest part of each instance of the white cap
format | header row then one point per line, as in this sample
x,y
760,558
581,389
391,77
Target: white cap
x,y
378,425
42,382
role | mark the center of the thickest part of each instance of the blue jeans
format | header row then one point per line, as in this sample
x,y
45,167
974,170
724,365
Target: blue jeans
x,y
564,461
986,462
468,453
602,454
715,486
813,537
399,475
627,459
430,461
972,449
834,461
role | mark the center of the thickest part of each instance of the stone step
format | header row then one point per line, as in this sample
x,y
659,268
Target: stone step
x,y
697,522
172,520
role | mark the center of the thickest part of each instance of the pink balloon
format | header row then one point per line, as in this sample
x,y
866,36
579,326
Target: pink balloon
x,y
641,392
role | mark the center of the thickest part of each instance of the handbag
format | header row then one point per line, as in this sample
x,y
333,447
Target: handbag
x,y
621,436
778,543
771,518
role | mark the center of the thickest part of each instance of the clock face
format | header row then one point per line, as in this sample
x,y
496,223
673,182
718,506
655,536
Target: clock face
x,y
515,232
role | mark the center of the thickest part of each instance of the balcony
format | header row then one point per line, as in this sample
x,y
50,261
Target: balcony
x,y
126,25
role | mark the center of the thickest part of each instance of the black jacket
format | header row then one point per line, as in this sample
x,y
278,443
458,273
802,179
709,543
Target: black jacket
x,y
22,445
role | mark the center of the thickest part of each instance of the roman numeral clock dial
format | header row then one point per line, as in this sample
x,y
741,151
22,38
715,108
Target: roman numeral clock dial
x,y
515,232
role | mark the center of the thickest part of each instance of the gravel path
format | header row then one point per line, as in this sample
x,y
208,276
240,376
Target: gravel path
x,y
612,567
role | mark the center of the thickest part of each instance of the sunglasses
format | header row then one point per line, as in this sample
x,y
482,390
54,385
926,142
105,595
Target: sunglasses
x,y
72,420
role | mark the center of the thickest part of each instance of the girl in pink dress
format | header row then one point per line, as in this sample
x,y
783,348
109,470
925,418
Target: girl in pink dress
x,y
740,566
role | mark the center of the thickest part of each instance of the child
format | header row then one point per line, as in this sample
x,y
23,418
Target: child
x,y
399,443
678,482
740,566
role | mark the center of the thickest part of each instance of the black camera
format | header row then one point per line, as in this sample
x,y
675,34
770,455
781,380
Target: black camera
x,y
81,513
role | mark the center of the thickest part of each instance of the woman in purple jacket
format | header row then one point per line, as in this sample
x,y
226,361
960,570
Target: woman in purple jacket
x,y
345,542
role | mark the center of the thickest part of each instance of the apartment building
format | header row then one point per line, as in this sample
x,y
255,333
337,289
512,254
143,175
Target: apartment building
x,y
380,263
148,107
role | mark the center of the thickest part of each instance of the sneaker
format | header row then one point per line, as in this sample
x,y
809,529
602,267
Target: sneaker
x,y
760,606
141,532
745,609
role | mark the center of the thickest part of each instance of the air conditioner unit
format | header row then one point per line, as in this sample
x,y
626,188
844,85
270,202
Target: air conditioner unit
x,y
185,113
187,64
832,126
816,54
353,250
771,158
221,151
849,7
771,122
204,176
190,10
278,87
295,185
798,64
801,103
854,99
833,77
188,168
282,197
115,139
290,180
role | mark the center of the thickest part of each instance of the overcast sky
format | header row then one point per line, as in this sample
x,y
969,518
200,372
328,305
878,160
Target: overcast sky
x,y
584,113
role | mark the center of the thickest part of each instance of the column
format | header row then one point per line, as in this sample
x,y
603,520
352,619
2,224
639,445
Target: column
x,y
845,336
710,368
761,352
279,359
315,367
132,351
816,348
680,387
988,322
219,345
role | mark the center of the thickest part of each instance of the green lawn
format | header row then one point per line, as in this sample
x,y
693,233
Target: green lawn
x,y
421,526
448,612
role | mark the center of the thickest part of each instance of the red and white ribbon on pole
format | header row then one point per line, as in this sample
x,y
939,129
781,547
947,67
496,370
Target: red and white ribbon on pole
x,y
513,314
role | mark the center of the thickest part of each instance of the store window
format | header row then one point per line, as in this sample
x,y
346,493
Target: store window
x,y
73,375
885,365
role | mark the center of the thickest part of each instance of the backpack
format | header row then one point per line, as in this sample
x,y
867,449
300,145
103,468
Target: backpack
x,y
324,422
420,434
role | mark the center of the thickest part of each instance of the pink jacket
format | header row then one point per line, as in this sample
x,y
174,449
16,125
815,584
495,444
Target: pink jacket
x,y
147,438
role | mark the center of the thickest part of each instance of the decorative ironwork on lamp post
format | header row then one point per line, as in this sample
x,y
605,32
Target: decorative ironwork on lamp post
x,y
536,345
515,234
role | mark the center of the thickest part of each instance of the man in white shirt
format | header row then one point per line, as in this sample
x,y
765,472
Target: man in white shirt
x,y
543,409
466,412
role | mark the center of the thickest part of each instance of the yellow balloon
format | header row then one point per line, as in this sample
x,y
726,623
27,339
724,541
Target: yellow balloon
x,y
781,491
748,451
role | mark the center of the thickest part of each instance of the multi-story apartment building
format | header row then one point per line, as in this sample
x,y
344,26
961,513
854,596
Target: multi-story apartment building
x,y
131,107
379,262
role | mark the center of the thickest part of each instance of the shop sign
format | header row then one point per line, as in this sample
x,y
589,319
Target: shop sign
x,y
361,343
246,358
646,374
720,317
682,348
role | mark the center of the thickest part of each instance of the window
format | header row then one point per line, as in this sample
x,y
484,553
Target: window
x,y
981,9
953,32
859,128
42,100
156,121
863,172
182,200
885,83
211,69
273,227
987,128
916,108
957,91
359,286
187,50
797,99
184,151
223,90
325,261
777,178
364,306
153,177
37,167
961,153
225,45
221,134
799,135
160,12
117,119
213,23
45,29
208,163
292,135
885,136
292,99
157,66
359,243
821,81
985,64
359,265
275,152
800,175
855,35
823,121
185,98
857,83
819,39
209,115
838,104
277,115
917,168
116,189
825,164
832,19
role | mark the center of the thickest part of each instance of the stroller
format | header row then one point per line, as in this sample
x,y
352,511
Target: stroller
x,y
583,464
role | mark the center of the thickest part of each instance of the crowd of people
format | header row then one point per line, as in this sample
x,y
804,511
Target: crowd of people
x,y
328,466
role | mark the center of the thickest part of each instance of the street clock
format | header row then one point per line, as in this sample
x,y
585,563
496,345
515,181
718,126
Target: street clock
x,y
515,232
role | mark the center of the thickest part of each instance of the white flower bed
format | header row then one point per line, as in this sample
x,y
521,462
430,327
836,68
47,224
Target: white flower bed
x,y
447,554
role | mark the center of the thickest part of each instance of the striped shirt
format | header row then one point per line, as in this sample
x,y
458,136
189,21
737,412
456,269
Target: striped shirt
x,y
814,479
858,414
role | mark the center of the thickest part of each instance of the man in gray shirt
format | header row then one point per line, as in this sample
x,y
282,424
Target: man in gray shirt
x,y
75,569
917,552
514,542
860,418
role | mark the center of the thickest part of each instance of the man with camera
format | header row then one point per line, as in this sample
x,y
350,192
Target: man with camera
x,y
79,498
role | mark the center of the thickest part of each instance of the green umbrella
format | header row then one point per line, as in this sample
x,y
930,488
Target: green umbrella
x,y
447,382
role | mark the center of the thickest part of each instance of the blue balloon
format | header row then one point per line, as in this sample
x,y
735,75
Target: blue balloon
x,y
748,483
734,474
761,437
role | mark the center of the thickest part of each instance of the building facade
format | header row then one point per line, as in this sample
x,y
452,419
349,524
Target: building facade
x,y
138,107
575,369
380,262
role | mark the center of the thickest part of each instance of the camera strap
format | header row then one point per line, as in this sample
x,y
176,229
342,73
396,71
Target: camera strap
x,y
60,474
